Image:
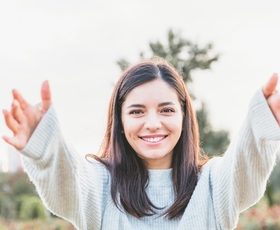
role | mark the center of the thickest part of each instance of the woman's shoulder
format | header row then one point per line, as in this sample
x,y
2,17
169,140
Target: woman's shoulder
x,y
98,167
212,162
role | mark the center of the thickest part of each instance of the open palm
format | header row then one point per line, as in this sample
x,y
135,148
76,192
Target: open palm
x,y
23,118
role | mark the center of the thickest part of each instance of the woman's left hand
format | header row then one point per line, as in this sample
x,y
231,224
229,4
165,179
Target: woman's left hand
x,y
272,96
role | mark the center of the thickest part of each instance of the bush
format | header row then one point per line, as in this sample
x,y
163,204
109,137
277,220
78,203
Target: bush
x,y
31,207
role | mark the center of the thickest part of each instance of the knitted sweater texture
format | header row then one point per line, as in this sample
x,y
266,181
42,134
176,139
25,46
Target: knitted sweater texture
x,y
79,191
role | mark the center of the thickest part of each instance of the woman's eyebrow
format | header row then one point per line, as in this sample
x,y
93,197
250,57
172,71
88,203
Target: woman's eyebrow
x,y
136,105
143,106
165,103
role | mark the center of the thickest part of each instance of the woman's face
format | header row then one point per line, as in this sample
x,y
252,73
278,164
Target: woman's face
x,y
152,121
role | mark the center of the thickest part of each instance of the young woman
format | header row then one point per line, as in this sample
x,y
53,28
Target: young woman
x,y
149,174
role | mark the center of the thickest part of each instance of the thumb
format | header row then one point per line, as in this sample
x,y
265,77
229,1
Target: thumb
x,y
270,86
46,96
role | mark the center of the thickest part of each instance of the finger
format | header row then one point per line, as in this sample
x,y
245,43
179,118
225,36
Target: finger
x,y
270,86
11,123
46,96
12,141
17,96
16,111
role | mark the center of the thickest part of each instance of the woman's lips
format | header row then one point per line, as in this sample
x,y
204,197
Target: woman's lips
x,y
154,138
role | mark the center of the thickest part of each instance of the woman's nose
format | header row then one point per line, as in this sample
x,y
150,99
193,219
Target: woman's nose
x,y
152,122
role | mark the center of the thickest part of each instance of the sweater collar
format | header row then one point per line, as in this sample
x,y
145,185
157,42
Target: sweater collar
x,y
160,177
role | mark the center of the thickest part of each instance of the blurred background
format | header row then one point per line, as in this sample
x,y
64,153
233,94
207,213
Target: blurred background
x,y
224,50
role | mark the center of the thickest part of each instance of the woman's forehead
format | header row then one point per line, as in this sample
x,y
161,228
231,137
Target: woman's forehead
x,y
153,91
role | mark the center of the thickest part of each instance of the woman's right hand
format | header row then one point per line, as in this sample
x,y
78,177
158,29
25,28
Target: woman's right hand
x,y
23,118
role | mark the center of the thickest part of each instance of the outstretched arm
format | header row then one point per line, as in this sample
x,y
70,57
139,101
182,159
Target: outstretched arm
x,y
239,177
23,118
68,185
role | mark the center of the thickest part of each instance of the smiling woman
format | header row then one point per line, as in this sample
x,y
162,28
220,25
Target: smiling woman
x,y
148,110
149,173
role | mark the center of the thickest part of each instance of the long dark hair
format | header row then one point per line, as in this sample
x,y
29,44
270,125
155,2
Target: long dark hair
x,y
129,175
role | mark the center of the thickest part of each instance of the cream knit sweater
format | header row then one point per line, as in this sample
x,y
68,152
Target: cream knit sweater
x,y
79,191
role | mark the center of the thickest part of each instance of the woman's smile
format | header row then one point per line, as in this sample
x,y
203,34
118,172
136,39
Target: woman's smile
x,y
153,139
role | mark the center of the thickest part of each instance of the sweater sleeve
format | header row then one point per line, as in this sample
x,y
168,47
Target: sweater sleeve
x,y
69,185
238,179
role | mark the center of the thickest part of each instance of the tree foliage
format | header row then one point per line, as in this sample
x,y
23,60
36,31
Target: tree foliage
x,y
187,57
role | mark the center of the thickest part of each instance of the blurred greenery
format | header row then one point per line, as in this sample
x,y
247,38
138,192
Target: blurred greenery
x,y
12,187
188,57
273,186
21,207
31,207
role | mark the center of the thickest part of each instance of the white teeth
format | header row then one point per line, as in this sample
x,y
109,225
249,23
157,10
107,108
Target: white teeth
x,y
154,139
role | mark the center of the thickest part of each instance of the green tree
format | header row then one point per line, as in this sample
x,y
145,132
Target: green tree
x,y
187,57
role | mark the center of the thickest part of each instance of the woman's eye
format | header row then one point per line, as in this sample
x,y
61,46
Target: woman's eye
x,y
168,110
136,112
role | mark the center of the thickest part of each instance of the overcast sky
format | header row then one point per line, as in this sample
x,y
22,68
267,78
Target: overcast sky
x,y
75,45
